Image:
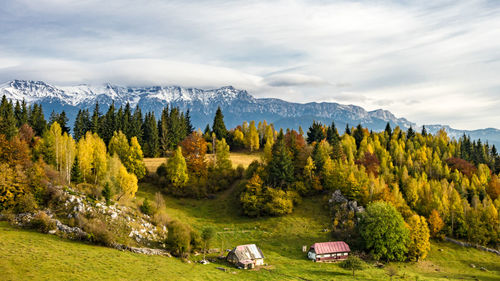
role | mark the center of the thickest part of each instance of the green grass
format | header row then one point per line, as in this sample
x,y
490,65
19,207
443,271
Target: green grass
x,y
26,255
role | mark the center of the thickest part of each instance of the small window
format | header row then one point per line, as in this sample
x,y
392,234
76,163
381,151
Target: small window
x,y
345,254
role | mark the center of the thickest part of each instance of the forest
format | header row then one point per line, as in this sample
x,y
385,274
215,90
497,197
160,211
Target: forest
x,y
387,192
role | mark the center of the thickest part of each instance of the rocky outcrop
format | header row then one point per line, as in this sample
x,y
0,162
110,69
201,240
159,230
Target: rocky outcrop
x,y
466,244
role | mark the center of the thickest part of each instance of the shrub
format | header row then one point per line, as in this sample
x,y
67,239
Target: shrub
x,y
161,171
107,193
97,231
352,263
26,204
42,222
240,170
160,218
146,207
179,238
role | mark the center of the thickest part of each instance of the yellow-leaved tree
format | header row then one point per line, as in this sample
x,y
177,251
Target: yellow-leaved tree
x,y
419,244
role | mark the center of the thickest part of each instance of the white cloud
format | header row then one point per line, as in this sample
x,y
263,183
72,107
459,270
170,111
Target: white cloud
x,y
426,61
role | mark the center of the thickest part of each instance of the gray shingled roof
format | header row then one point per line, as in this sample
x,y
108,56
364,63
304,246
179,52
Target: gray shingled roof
x,y
248,252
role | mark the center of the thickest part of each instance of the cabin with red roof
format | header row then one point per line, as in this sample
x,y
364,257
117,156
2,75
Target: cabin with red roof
x,y
329,251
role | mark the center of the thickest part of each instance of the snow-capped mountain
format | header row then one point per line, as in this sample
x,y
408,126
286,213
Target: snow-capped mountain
x,y
237,106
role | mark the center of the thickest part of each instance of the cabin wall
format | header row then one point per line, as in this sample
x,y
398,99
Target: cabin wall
x,y
259,262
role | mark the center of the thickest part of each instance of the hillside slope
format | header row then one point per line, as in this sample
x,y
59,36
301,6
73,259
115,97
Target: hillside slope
x,y
29,255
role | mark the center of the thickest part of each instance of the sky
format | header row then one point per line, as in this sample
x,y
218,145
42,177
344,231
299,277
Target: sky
x,y
432,62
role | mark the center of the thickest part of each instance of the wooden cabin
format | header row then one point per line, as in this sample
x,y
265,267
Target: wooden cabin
x,y
329,251
246,256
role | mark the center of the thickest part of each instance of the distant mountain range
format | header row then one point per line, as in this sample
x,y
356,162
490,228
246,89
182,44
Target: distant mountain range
x,y
237,106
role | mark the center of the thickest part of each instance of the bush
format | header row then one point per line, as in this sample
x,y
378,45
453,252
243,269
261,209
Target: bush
x,y
26,204
146,207
179,238
97,231
42,222
160,218
161,171
107,193
352,263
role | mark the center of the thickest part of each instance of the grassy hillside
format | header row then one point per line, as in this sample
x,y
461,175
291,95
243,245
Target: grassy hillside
x,y
29,255
238,158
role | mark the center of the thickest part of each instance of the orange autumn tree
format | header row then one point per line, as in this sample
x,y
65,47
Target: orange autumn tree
x,y
194,149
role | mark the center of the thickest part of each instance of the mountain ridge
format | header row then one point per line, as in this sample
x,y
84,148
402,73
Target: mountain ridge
x,y
237,105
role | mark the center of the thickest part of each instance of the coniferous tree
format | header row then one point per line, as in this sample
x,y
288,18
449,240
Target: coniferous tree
x,y
7,119
83,124
410,134
108,125
150,137
332,135
388,129
120,123
281,170
36,119
358,135
189,126
315,133
96,119
347,129
18,114
76,174
175,128
127,121
424,131
136,125
218,127
163,130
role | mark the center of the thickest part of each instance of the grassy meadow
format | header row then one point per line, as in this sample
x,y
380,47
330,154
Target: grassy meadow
x,y
29,255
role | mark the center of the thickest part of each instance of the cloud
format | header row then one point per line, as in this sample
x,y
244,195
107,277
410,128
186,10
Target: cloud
x,y
293,79
430,61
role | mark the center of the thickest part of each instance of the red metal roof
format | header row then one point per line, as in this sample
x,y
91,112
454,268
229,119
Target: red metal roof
x,y
331,247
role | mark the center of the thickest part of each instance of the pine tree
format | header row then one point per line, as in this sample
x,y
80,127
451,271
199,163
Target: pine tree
x,y
175,128
96,119
8,123
189,126
150,137
388,129
347,129
127,121
63,122
358,135
315,133
163,131
76,175
281,170
424,131
36,119
332,135
82,125
218,127
136,126
410,134
108,125
18,114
